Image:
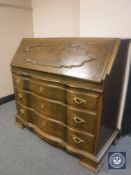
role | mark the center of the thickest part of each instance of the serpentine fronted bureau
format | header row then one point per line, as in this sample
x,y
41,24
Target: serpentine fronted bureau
x,y
68,91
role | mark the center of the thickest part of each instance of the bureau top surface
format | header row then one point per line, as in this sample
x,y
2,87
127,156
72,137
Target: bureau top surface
x,y
85,58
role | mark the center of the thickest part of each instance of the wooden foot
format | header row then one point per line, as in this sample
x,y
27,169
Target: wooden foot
x,y
91,165
19,123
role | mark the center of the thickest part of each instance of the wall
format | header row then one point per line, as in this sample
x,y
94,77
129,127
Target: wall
x,y
15,23
21,3
55,18
100,18
58,18
93,18
84,18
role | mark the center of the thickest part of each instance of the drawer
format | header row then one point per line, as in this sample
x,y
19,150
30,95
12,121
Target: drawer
x,y
80,140
53,109
50,127
80,99
23,112
20,82
22,97
81,120
47,90
51,90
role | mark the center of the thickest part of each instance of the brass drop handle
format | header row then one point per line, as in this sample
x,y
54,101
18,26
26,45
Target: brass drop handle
x,y
77,139
78,119
22,111
41,89
20,96
78,100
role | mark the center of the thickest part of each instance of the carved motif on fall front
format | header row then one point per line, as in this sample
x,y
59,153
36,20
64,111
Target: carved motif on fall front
x,y
58,56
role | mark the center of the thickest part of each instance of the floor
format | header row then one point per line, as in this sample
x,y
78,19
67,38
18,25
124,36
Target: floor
x,y
23,153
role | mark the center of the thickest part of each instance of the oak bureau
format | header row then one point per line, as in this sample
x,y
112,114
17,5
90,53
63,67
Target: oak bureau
x,y
68,91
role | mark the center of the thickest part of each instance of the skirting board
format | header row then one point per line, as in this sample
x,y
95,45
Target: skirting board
x,y
7,99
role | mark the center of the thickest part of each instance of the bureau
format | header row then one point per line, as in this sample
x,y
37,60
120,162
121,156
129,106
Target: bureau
x,y
68,91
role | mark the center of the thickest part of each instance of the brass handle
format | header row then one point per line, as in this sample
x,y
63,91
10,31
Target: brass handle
x,y
78,100
20,96
78,119
22,111
41,89
77,139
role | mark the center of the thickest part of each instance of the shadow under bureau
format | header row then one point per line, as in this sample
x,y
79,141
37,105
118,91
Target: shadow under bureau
x,y
68,91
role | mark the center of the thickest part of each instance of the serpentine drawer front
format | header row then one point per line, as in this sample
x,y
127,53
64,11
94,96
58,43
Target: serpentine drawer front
x,y
82,120
68,91
80,140
42,88
80,99
52,109
51,127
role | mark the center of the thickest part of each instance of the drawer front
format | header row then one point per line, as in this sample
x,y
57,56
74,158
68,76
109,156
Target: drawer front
x,y
22,97
50,127
81,120
80,140
42,88
47,90
52,109
23,112
19,81
84,100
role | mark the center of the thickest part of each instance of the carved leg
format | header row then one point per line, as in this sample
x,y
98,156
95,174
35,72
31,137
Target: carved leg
x,y
19,123
91,165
